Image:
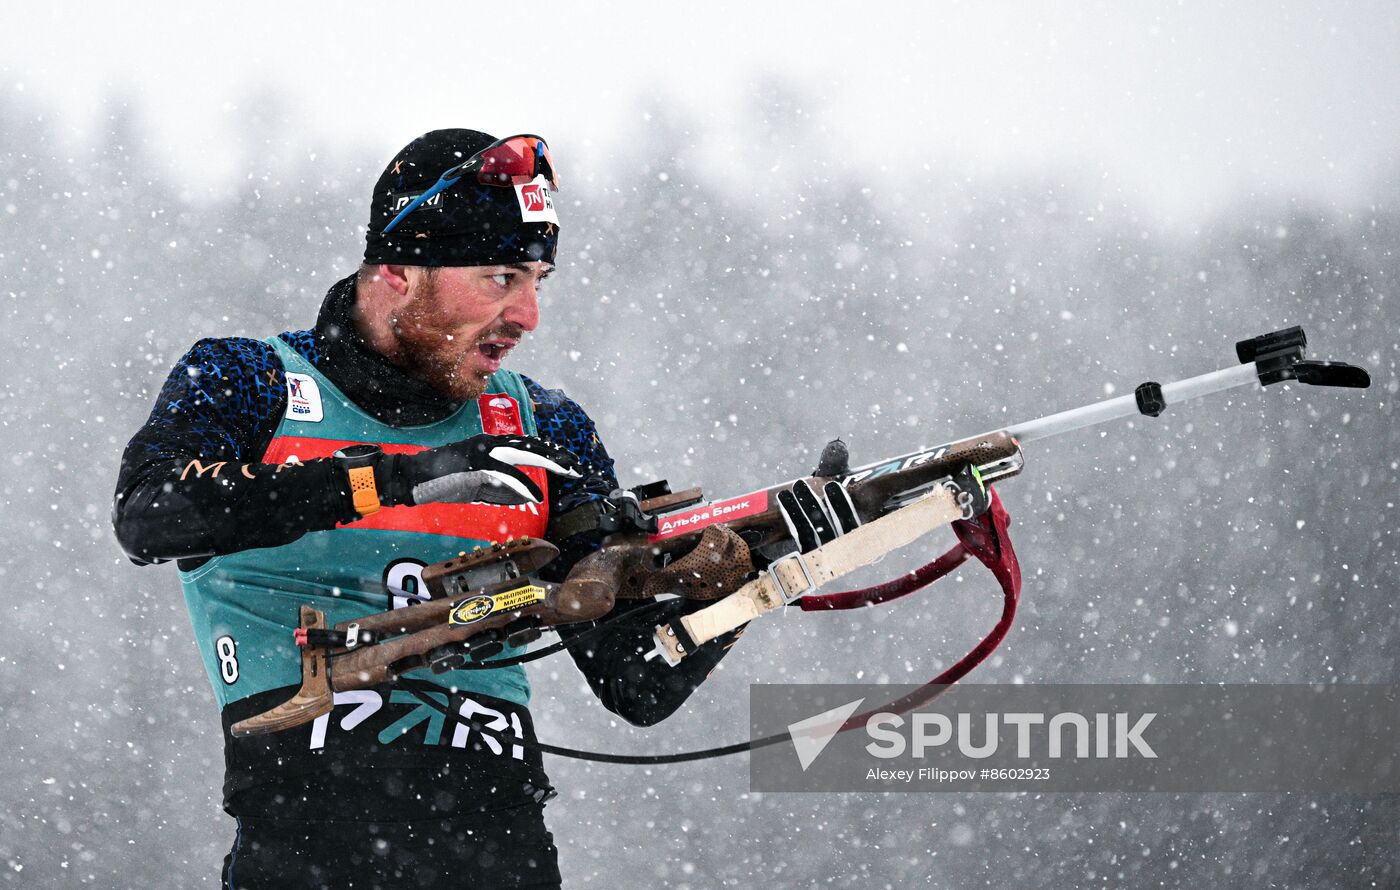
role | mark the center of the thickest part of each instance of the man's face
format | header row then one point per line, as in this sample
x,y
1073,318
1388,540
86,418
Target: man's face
x,y
459,323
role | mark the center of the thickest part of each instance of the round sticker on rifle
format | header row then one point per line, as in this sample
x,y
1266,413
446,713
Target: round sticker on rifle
x,y
471,611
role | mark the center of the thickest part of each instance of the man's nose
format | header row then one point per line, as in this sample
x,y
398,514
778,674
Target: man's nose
x,y
524,308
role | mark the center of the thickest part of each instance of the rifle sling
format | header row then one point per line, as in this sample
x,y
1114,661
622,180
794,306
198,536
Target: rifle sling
x,y
794,575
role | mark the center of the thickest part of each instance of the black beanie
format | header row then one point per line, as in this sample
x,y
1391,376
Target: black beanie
x,y
468,224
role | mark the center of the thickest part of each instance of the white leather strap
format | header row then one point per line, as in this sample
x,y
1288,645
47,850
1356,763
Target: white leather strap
x,y
789,577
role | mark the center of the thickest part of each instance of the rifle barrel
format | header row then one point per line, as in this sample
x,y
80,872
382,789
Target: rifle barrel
x,y
1127,406
1075,418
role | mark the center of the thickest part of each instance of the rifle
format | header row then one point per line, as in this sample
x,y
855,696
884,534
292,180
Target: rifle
x,y
801,534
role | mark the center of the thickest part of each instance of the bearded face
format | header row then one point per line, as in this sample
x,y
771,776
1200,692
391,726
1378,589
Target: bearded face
x,y
457,324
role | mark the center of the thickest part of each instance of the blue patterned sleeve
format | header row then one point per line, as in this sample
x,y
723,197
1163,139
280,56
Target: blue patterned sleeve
x,y
218,401
222,402
560,420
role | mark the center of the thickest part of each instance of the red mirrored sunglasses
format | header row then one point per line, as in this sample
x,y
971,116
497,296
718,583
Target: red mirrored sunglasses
x,y
514,160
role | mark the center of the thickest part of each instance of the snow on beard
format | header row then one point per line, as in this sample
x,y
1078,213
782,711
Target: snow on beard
x,y
441,356
446,364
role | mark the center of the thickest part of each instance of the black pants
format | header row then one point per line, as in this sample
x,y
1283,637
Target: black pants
x,y
503,849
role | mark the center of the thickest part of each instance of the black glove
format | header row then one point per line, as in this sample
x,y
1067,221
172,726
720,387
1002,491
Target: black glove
x,y
818,514
475,470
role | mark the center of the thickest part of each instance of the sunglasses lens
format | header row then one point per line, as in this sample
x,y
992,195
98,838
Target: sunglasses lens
x,y
516,161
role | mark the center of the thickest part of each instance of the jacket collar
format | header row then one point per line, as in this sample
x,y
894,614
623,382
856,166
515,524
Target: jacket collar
x,y
375,384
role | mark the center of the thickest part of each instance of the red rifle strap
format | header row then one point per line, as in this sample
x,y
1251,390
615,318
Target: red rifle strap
x,y
984,537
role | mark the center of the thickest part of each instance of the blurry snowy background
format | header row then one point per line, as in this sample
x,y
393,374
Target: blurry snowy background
x,y
782,223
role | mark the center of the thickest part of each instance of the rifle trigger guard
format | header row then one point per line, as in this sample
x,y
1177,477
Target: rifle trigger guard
x,y
788,597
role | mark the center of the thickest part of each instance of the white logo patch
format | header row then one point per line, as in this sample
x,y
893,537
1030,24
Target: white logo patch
x,y
536,203
303,398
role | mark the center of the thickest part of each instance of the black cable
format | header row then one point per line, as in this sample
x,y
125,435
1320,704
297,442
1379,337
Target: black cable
x,y
421,689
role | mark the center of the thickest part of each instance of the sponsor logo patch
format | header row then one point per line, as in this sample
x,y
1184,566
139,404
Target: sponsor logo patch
x,y
518,598
893,466
500,415
695,518
470,611
536,203
403,199
303,398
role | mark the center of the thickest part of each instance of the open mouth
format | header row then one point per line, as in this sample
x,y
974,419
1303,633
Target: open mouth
x,y
495,350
